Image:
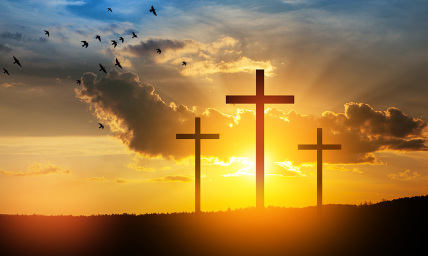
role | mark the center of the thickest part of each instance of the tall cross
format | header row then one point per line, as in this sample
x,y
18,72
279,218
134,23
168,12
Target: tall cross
x,y
319,147
197,136
260,99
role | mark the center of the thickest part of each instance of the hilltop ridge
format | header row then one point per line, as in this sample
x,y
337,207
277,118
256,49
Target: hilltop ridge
x,y
387,227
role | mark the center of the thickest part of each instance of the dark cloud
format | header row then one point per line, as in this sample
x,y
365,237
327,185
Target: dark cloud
x,y
391,122
148,46
17,36
13,36
138,115
148,125
366,131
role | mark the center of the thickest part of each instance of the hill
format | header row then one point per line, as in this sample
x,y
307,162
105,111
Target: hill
x,y
396,227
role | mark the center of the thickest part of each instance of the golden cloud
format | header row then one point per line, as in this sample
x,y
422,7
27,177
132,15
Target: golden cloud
x,y
38,169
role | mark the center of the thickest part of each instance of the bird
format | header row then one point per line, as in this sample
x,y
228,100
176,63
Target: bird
x,y
102,68
98,37
78,82
113,42
184,63
101,126
109,10
153,10
6,72
118,63
133,34
16,61
158,51
121,39
85,44
47,33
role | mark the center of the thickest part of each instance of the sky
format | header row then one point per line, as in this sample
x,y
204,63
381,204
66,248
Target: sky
x,y
356,68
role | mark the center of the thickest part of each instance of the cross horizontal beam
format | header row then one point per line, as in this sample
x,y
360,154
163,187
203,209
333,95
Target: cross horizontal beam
x,y
316,147
255,99
197,136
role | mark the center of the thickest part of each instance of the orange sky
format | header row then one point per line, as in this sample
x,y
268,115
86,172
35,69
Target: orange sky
x,y
360,79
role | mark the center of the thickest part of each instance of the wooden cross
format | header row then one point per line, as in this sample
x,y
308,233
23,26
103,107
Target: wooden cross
x,y
197,136
260,99
319,147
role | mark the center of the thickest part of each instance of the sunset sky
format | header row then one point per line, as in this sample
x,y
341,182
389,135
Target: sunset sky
x,y
358,69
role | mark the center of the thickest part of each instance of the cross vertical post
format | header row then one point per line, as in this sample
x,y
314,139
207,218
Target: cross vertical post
x,y
197,166
197,136
319,147
259,99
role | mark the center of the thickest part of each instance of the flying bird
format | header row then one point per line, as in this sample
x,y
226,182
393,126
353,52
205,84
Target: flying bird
x,y
153,10
158,51
47,33
133,34
16,61
184,63
78,82
113,42
118,63
109,10
6,72
85,44
101,126
98,37
103,69
121,39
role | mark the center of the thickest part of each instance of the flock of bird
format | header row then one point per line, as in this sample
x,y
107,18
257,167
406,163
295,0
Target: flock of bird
x,y
86,44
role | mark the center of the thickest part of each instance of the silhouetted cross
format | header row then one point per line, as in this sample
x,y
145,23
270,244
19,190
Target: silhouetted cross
x,y
260,99
197,136
319,147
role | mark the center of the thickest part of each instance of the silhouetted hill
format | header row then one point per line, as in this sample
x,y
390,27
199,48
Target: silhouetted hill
x,y
396,227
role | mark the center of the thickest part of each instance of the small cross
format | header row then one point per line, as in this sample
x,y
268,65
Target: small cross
x,y
319,147
260,99
197,136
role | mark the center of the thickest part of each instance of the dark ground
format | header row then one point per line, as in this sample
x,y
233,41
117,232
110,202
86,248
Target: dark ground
x,y
397,227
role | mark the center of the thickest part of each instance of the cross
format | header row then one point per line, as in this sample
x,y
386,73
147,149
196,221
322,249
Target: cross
x,y
197,136
260,99
319,147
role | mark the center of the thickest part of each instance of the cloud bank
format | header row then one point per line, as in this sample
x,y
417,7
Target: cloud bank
x,y
221,56
147,124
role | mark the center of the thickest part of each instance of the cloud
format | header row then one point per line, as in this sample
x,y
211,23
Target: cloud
x,y
240,172
147,125
296,2
96,179
344,169
173,178
221,56
168,178
13,36
368,130
136,114
288,169
66,3
38,169
405,175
